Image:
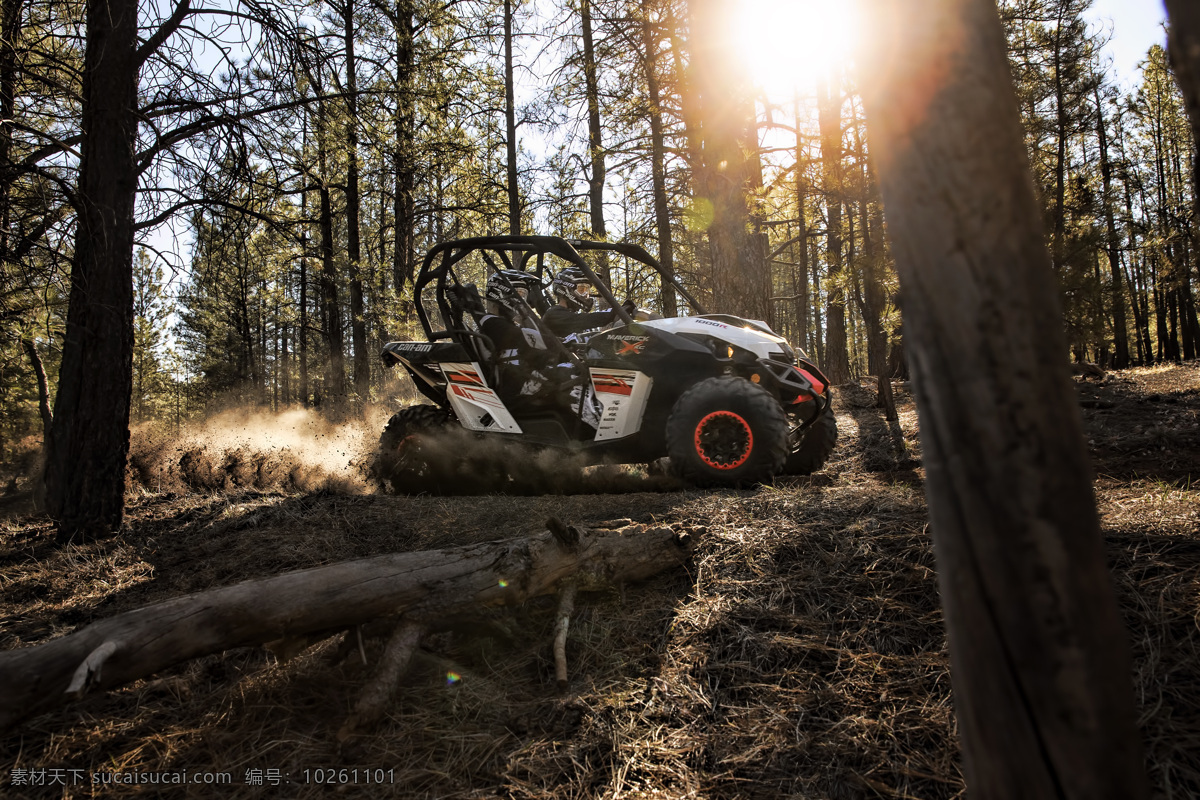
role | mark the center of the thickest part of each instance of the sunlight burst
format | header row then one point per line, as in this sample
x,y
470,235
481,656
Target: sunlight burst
x,y
788,44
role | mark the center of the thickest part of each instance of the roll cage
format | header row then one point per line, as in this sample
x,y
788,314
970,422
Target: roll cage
x,y
454,297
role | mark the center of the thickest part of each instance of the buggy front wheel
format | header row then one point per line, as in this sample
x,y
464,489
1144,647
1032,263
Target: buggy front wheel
x,y
727,432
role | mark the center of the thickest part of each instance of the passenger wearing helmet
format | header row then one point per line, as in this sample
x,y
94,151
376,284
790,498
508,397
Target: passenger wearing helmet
x,y
572,290
520,349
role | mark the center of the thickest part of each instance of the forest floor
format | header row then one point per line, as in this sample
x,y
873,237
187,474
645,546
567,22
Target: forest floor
x,y
801,653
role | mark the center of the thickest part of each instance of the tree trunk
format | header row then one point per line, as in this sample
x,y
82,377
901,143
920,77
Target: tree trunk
x,y
658,173
800,269
837,359
358,323
297,609
1040,659
331,312
510,126
43,387
598,172
1184,35
731,172
1059,210
85,467
404,156
10,35
1120,327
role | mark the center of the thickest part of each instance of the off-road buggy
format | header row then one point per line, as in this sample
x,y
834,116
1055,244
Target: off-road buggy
x,y
725,399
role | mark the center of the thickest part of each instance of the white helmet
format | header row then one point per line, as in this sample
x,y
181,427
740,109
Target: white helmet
x,y
506,285
573,286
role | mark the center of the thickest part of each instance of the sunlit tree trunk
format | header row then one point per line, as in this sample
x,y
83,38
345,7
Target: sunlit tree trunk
x,y
730,173
1040,659
837,359
800,269
658,174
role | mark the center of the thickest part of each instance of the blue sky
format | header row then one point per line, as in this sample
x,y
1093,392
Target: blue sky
x,y
1135,25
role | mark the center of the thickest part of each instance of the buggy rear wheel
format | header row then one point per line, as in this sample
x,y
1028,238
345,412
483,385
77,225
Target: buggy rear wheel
x,y
727,432
410,459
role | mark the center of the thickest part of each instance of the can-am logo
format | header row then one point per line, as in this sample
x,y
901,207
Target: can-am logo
x,y
415,347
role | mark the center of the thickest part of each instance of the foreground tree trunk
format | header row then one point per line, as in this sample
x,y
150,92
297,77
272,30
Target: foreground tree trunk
x,y
291,611
1040,659
86,451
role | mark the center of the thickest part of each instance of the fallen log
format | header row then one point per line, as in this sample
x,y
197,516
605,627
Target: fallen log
x,y
418,588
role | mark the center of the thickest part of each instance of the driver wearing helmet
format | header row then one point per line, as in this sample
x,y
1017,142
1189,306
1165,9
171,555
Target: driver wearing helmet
x,y
520,350
572,289
526,366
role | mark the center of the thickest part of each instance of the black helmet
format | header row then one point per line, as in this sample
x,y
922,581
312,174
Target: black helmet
x,y
567,285
506,285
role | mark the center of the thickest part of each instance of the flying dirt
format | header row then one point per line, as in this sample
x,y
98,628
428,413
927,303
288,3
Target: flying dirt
x,y
300,451
295,450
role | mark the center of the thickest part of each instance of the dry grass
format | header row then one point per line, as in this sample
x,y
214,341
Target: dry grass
x,y
802,653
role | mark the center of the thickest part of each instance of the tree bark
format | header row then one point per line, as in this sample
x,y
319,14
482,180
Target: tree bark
x,y
89,442
358,323
312,604
331,311
10,35
1184,36
1184,44
404,156
658,173
1040,659
800,270
598,173
837,358
510,126
1120,327
43,387
731,171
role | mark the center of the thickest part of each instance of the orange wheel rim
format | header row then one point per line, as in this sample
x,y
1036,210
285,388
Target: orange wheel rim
x,y
723,440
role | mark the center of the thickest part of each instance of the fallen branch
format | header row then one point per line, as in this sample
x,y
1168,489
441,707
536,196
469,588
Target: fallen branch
x,y
566,604
379,691
421,587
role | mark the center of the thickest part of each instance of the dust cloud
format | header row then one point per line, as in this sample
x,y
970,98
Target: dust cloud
x,y
299,451
294,450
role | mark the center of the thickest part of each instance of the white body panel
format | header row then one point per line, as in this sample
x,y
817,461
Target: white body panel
x,y
624,393
473,402
757,342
